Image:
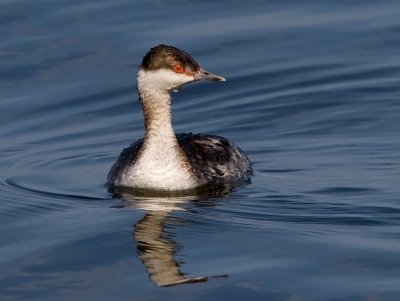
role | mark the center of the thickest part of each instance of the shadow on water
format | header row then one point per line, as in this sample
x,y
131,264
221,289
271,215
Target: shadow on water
x,y
155,248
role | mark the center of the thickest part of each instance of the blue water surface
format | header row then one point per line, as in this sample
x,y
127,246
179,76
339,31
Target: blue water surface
x,y
312,96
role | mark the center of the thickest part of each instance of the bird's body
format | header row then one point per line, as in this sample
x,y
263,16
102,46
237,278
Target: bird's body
x,y
196,161
163,160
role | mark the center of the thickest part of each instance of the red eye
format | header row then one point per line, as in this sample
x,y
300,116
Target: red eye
x,y
179,69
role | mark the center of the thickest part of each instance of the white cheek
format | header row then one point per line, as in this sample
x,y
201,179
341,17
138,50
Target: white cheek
x,y
162,79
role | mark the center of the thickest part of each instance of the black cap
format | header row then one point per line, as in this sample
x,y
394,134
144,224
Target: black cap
x,y
165,57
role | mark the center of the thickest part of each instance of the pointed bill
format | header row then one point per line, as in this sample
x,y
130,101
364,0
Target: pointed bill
x,y
205,75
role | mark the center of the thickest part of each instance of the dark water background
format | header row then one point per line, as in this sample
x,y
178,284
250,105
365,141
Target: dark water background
x,y
312,95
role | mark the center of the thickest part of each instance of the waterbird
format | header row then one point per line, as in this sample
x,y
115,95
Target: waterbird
x,y
164,160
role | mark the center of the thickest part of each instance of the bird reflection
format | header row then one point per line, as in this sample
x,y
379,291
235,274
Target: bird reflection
x,y
157,252
155,249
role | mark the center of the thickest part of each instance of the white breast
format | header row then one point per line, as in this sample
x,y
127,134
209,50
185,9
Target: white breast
x,y
158,168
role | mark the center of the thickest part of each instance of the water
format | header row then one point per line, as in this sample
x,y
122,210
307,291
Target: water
x,y
312,96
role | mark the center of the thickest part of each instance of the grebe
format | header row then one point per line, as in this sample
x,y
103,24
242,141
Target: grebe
x,y
163,160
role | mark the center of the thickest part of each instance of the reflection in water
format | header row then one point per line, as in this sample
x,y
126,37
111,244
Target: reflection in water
x,y
155,249
158,252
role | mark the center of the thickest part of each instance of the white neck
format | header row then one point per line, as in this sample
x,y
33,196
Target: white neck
x,y
161,163
156,104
